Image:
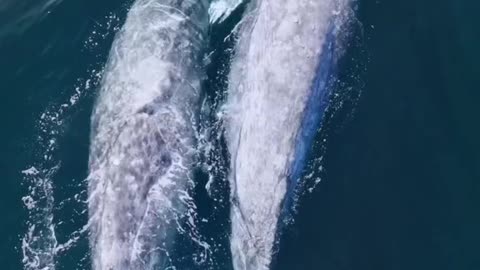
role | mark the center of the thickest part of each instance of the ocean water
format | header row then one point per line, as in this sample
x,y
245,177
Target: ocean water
x,y
397,157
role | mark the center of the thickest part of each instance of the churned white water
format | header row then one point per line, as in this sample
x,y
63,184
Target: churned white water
x,y
277,55
220,9
143,139
39,244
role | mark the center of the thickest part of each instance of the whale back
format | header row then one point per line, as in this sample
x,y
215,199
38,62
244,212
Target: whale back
x,y
142,139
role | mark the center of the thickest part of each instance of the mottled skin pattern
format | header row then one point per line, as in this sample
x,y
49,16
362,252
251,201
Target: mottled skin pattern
x,y
276,61
142,142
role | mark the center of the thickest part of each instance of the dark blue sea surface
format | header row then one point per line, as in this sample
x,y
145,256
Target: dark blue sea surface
x,y
400,187
398,154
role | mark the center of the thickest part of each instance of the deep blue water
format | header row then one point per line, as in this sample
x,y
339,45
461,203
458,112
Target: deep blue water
x,y
400,162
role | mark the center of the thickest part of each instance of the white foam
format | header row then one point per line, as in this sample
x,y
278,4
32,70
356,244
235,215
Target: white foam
x,y
276,60
30,171
142,147
39,243
220,9
40,247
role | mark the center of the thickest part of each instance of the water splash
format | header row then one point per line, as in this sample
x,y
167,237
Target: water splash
x,y
39,244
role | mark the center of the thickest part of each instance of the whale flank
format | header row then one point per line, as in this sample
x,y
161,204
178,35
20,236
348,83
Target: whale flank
x,y
142,139
277,57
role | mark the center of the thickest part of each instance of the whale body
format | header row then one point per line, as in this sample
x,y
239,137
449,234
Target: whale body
x,y
142,138
277,95
313,115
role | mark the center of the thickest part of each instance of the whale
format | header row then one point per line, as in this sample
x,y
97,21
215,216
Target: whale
x,y
142,145
313,115
277,96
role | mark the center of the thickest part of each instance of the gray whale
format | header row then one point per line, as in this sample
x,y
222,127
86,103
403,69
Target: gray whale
x,y
142,137
274,75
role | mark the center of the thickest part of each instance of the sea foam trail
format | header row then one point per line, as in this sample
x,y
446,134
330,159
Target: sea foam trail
x,y
142,142
277,58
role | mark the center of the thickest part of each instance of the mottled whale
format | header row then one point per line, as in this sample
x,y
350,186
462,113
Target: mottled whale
x,y
142,138
277,97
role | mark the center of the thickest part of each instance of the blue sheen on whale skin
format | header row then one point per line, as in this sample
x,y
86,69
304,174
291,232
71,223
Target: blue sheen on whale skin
x,y
276,64
313,116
